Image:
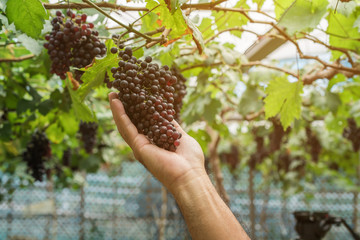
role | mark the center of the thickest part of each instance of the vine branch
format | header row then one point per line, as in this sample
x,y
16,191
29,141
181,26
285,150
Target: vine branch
x,y
17,59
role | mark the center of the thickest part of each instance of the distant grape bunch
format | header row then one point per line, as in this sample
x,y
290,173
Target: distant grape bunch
x,y
72,42
147,93
88,131
37,151
352,133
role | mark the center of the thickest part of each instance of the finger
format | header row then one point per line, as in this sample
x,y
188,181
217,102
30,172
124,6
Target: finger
x,y
138,142
123,123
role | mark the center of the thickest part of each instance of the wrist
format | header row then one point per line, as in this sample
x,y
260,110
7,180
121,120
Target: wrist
x,y
193,184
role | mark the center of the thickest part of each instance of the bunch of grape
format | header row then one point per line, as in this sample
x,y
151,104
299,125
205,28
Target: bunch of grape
x,y
66,158
72,42
231,158
37,151
180,91
314,144
146,91
352,133
88,135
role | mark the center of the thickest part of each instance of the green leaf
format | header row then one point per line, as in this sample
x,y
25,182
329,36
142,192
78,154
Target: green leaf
x,y
148,22
283,98
82,112
175,20
281,6
357,23
46,106
205,26
303,15
69,123
212,109
27,15
94,75
332,101
250,101
342,32
55,133
231,19
336,79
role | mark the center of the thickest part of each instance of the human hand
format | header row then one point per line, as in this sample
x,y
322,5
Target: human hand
x,y
173,169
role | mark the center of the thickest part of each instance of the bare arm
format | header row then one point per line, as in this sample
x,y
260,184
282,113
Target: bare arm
x,y
183,174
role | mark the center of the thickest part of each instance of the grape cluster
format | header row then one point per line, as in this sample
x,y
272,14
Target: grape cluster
x,y
72,42
88,132
66,158
314,144
146,91
231,158
37,151
180,91
352,133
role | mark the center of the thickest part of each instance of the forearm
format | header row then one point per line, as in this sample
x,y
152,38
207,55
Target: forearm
x,y
206,214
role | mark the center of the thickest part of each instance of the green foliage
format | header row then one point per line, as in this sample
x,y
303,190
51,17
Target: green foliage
x,y
173,19
303,15
342,32
27,15
283,97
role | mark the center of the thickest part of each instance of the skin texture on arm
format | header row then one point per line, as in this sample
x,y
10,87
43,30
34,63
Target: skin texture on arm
x,y
183,174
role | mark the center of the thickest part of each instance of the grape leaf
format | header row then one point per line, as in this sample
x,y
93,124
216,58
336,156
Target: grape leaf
x,y
250,101
55,133
333,101
82,112
27,15
283,98
357,23
232,19
205,26
281,6
342,32
175,20
94,75
303,15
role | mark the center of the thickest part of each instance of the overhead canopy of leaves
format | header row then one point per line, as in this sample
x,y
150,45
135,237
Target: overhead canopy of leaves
x,y
303,15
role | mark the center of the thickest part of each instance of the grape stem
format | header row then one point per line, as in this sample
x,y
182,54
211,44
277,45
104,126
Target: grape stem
x,y
128,28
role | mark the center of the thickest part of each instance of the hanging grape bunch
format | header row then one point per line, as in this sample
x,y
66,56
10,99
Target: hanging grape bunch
x,y
180,92
72,42
37,151
88,135
352,133
146,91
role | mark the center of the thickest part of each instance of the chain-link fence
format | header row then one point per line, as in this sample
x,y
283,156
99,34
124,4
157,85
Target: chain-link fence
x,y
133,205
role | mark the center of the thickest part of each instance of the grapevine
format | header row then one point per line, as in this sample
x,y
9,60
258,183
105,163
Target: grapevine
x,y
147,93
37,151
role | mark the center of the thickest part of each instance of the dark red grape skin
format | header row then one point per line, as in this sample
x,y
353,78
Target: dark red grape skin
x,y
146,98
72,43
